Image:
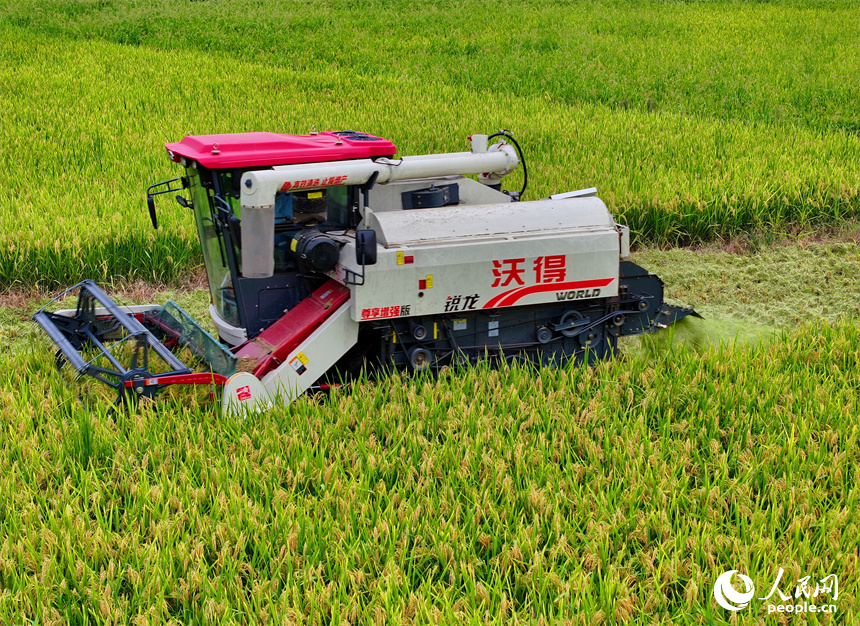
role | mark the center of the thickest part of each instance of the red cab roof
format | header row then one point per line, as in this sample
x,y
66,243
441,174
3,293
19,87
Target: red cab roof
x,y
266,149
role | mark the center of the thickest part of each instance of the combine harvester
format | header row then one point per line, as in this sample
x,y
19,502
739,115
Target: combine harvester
x,y
325,253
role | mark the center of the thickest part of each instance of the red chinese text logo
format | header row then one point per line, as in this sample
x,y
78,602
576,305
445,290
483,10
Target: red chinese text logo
x,y
382,312
547,269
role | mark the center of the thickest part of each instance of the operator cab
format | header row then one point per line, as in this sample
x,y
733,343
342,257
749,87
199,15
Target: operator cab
x,y
214,164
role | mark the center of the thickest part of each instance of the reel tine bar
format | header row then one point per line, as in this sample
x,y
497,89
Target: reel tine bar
x,y
89,328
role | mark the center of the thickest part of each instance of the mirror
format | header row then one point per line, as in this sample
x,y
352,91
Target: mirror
x,y
150,202
365,247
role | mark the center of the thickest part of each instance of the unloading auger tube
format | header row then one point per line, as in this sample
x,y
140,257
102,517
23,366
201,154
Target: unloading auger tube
x,y
259,189
325,254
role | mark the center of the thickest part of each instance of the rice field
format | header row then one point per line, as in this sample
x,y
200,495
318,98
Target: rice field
x,y
606,495
86,113
610,495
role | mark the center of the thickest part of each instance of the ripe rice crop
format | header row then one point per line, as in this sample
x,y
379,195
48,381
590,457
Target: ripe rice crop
x,y
613,494
86,119
790,62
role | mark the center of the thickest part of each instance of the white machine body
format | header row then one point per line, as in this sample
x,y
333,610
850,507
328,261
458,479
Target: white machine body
x,y
483,254
468,258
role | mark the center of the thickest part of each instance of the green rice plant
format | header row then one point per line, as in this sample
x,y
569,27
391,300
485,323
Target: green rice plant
x,y
76,163
777,62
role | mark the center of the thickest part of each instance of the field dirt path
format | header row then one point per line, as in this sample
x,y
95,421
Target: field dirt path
x,y
136,291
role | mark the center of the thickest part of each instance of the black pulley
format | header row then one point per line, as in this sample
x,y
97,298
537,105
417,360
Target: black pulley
x,y
544,334
420,359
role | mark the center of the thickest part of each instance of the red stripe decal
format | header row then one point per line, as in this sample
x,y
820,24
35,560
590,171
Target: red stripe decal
x,y
509,298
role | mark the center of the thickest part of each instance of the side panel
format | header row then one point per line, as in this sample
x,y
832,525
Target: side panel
x,y
458,277
313,357
467,258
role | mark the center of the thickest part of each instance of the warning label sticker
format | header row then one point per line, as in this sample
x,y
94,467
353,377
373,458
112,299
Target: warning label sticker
x,y
299,362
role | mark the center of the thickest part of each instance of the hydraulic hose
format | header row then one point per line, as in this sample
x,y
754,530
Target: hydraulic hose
x,y
508,135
